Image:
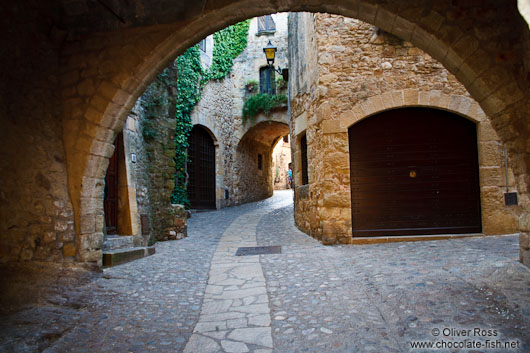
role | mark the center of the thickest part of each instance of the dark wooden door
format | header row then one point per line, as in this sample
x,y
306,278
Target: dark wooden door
x,y
414,171
110,202
201,169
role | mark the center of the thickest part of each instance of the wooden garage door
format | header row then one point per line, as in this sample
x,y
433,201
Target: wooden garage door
x,y
414,171
201,169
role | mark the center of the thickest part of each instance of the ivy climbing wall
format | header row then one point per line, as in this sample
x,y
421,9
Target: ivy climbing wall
x,y
239,118
190,82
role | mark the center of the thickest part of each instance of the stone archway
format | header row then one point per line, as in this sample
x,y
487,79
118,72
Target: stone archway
x,y
254,150
106,72
496,217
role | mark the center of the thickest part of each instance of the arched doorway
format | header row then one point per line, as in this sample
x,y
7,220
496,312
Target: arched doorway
x,y
201,169
111,193
414,171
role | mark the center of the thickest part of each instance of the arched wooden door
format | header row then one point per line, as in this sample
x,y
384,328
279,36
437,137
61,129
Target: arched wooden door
x,y
201,169
414,171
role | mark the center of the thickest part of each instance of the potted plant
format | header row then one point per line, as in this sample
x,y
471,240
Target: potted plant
x,y
281,84
251,86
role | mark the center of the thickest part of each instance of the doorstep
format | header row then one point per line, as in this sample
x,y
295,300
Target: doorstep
x,y
121,256
403,238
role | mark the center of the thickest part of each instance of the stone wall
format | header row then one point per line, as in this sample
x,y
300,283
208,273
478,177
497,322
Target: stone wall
x,y
303,90
36,215
253,183
214,111
361,71
149,133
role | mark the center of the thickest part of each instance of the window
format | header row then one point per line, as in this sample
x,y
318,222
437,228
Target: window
x,y
266,24
202,45
267,83
260,161
303,152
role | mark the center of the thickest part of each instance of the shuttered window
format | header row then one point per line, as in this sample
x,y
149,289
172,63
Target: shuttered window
x,y
266,24
267,80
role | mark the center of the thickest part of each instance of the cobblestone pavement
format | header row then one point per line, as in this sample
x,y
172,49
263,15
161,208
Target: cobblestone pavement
x,y
194,295
380,298
148,305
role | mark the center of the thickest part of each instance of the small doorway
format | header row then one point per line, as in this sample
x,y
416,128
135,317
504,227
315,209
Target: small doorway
x,y
414,171
111,198
201,169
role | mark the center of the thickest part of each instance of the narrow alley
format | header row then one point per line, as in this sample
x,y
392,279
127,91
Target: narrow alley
x,y
195,295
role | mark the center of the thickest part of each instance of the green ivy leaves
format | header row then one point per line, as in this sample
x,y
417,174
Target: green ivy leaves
x,y
262,102
191,79
229,43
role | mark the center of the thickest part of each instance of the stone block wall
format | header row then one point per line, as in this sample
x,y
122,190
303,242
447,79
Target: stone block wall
x,y
36,214
360,71
253,183
214,112
149,133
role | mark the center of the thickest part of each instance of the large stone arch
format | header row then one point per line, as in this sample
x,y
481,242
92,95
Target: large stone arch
x,y
485,47
496,218
277,116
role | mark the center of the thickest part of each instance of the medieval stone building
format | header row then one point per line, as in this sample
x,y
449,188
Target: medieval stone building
x,y
140,179
230,160
71,74
242,148
387,141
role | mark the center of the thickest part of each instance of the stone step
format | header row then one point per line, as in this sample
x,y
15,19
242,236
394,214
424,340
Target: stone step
x,y
115,242
121,256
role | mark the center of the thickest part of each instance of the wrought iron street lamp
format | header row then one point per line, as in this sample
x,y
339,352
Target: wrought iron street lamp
x,y
270,55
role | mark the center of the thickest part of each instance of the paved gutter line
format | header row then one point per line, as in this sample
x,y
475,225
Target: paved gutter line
x,y
235,314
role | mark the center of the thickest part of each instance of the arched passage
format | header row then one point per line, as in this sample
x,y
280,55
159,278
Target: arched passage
x,y
255,160
105,66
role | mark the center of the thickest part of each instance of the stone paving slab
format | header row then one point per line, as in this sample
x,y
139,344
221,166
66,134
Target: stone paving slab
x,y
235,316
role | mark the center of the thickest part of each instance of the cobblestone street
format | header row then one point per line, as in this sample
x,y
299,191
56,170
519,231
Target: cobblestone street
x,y
195,295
